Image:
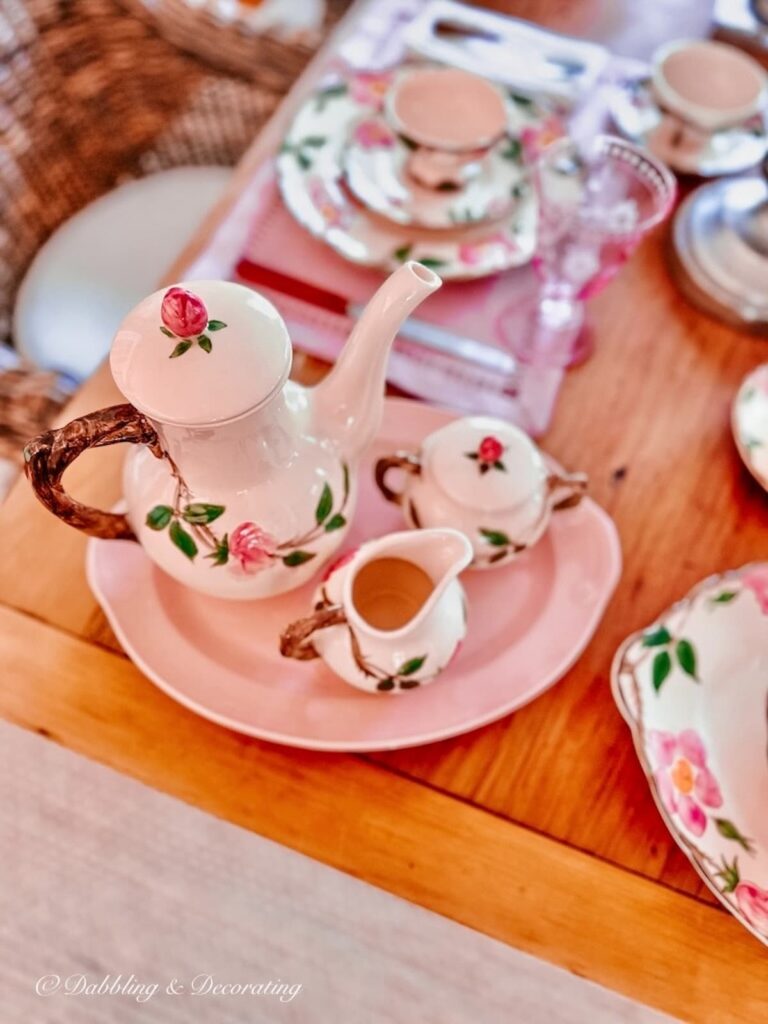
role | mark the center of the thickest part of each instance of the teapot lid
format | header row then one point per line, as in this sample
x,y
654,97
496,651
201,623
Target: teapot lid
x,y
201,353
484,463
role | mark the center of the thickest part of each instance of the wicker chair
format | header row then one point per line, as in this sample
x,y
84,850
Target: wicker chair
x,y
93,92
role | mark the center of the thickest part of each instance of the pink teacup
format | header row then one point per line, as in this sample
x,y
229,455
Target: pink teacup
x,y
705,86
451,118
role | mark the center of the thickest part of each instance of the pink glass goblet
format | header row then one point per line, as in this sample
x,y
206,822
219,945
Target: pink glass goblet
x,y
593,211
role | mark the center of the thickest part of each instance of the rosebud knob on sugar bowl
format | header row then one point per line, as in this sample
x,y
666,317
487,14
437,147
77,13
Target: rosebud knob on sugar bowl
x,y
485,477
241,483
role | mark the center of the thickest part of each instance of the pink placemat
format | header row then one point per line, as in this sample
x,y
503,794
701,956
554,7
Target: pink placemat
x,y
261,230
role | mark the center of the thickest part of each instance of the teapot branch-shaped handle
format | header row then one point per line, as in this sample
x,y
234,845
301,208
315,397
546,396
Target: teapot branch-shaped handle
x,y
295,641
566,489
50,454
406,461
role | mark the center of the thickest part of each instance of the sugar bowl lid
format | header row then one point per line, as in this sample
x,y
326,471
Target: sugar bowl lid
x,y
484,463
201,353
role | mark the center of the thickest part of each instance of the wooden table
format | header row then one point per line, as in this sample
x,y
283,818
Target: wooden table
x,y
538,830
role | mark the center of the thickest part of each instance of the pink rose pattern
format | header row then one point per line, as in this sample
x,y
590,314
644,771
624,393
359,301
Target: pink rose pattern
x,y
752,901
185,319
488,455
252,547
757,582
333,215
373,134
685,784
370,88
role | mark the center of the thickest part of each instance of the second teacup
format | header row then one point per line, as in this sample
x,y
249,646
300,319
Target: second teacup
x,y
485,477
451,118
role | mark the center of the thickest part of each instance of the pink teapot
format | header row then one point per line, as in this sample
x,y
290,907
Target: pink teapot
x,y
242,483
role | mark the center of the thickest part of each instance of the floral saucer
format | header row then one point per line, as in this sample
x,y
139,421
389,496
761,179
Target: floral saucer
x,y
310,171
638,117
749,423
527,625
693,689
375,163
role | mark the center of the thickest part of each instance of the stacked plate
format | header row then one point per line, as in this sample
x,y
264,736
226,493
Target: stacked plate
x,y
343,173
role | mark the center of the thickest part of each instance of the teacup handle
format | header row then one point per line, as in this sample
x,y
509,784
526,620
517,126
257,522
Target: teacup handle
x,y
295,640
406,461
566,489
47,456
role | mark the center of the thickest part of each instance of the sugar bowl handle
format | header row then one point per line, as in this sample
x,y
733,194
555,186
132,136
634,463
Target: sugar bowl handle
x,y
47,456
296,642
566,489
406,461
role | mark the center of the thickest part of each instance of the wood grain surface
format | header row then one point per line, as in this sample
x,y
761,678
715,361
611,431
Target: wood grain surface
x,y
550,803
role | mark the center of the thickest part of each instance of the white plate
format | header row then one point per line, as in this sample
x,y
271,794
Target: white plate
x,y
749,423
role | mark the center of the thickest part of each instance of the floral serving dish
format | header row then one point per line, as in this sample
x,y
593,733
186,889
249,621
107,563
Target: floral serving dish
x,y
312,179
693,689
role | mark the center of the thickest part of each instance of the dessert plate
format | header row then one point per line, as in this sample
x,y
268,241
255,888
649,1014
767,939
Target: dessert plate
x,y
639,118
527,625
376,167
749,423
310,172
693,688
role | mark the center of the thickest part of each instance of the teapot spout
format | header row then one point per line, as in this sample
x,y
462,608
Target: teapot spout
x,y
349,403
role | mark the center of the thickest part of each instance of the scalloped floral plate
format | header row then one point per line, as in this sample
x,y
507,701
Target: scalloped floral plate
x,y
528,624
311,176
693,688
749,423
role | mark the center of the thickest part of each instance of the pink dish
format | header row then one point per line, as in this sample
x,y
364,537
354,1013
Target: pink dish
x,y
528,624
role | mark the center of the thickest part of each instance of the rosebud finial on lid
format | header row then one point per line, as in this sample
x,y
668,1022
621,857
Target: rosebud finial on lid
x,y
201,353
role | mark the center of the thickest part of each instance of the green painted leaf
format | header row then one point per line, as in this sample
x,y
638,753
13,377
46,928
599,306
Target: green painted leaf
x,y
472,455
314,141
221,555
385,684
298,558
205,343
216,325
411,666
324,505
167,333
303,161
200,513
180,349
686,657
520,100
328,93
183,540
512,150
729,874
662,666
728,830
403,252
345,472
725,597
498,464
657,638
335,523
496,537
409,684
159,517
432,262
